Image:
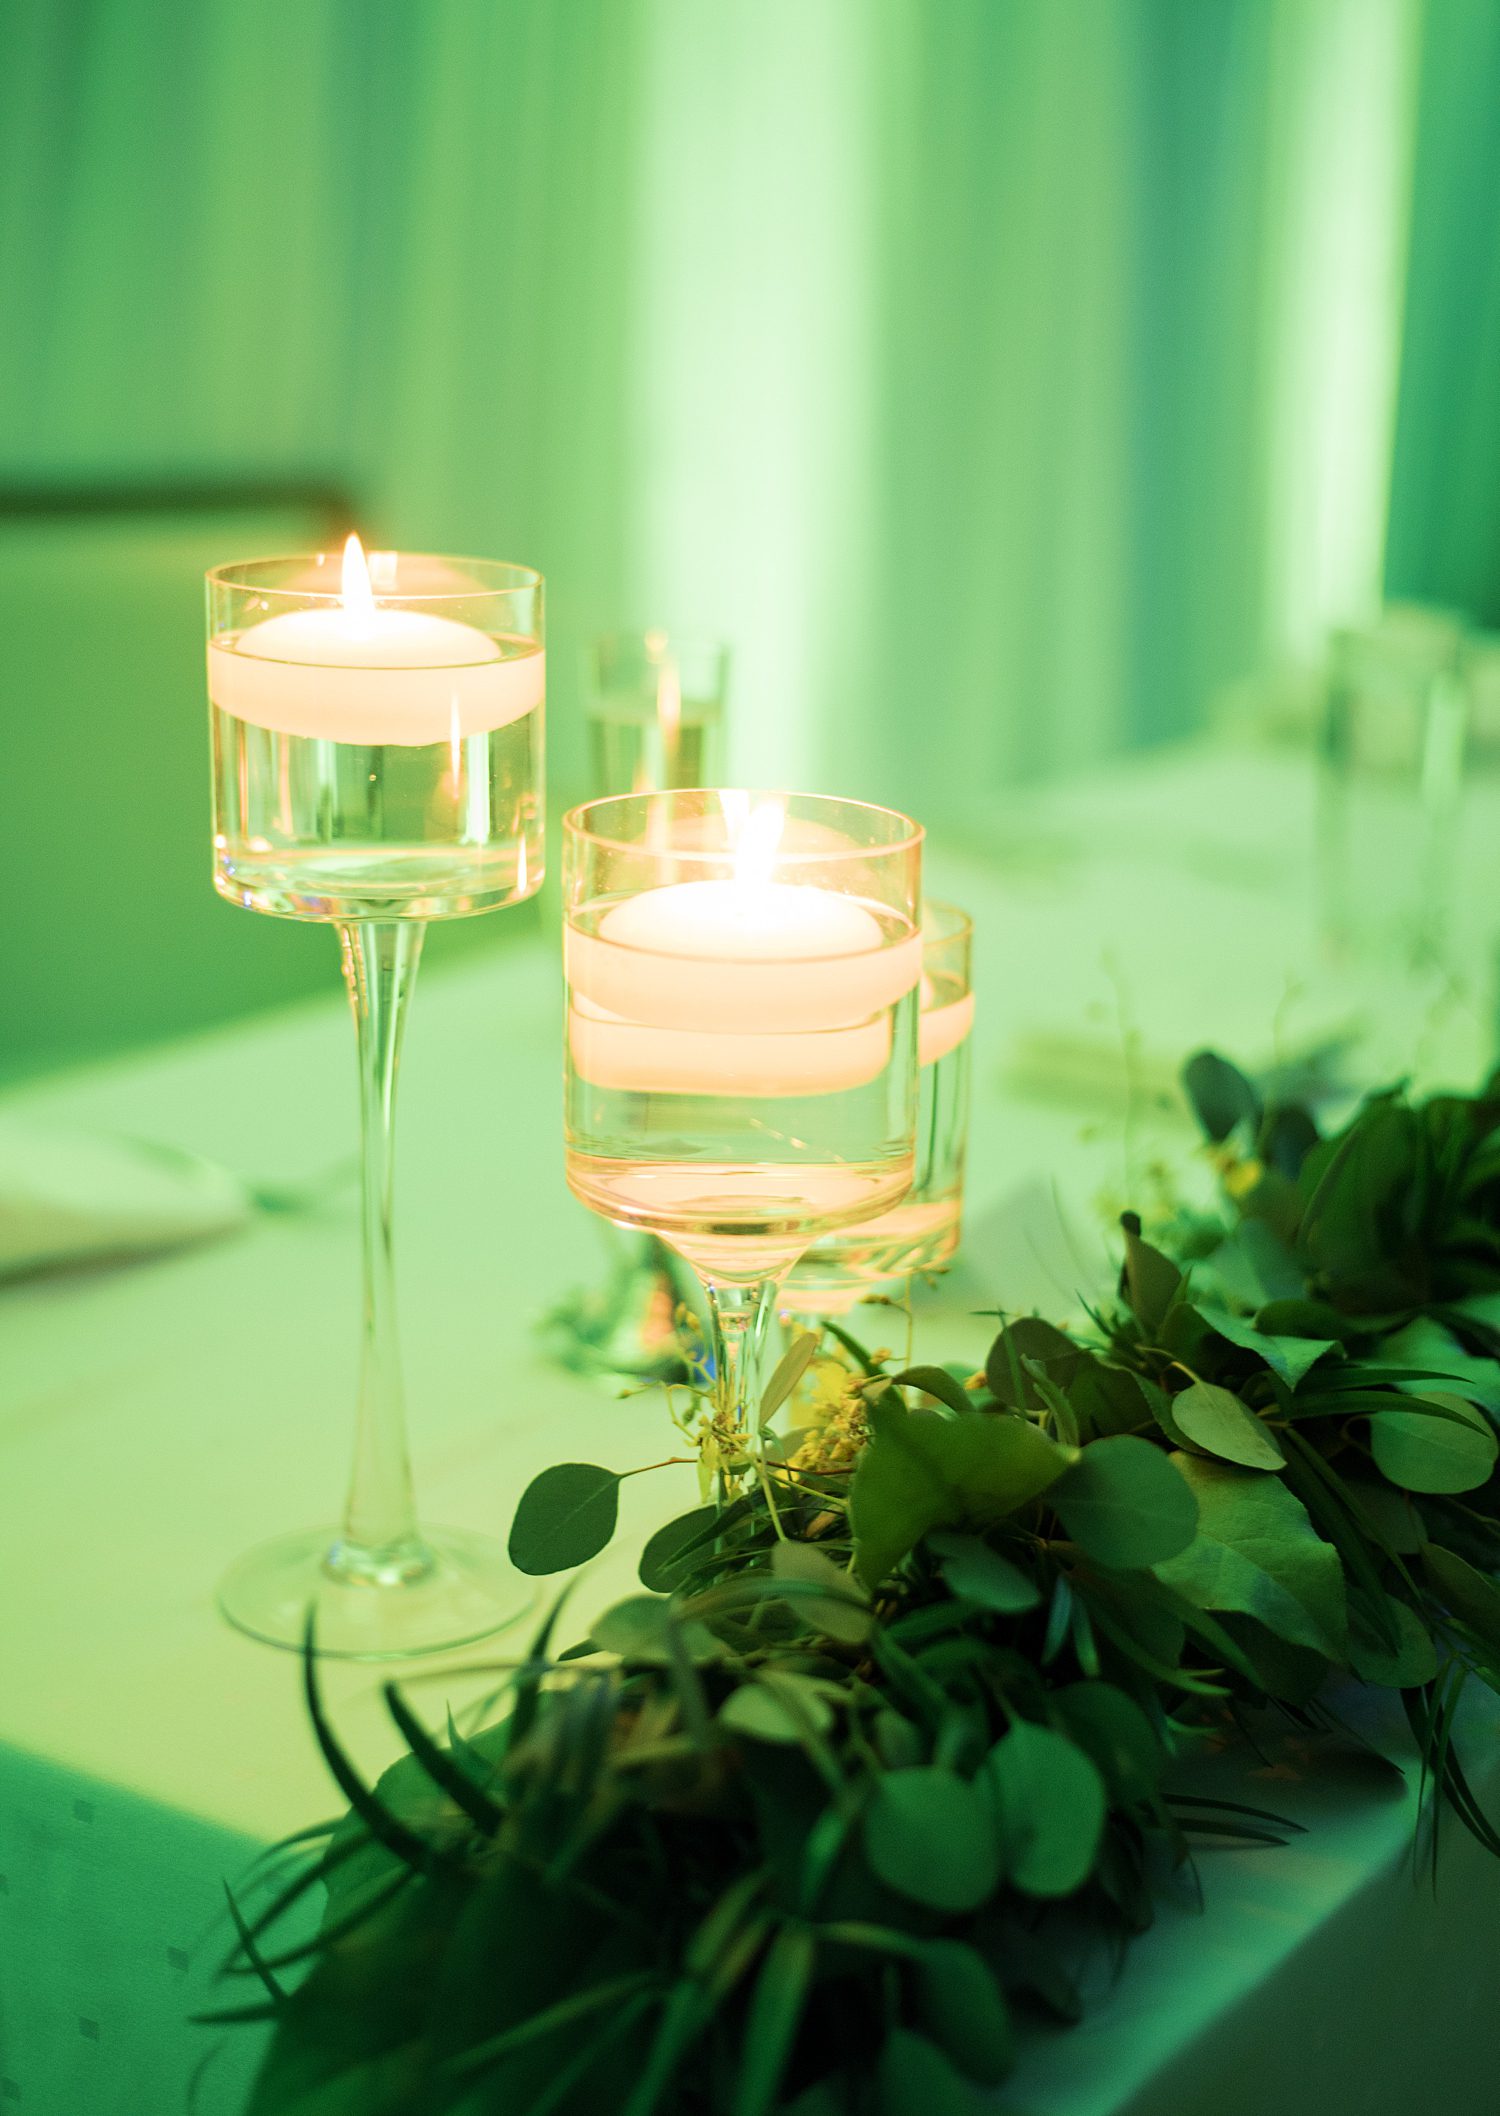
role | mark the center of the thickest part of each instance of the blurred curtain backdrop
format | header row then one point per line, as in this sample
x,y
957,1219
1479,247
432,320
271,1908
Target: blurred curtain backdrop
x,y
1003,378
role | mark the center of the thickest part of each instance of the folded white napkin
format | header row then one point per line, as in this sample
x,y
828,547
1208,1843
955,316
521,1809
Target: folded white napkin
x,y
73,1197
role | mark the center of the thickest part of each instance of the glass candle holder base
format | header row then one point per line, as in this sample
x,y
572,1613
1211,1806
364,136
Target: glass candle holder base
x,y
446,1590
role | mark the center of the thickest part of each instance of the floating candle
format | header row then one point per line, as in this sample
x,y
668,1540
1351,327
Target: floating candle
x,y
744,955
943,1028
631,1057
352,671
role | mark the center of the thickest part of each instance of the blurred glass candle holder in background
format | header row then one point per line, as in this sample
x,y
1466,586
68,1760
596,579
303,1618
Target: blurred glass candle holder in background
x,y
655,704
920,1234
1393,769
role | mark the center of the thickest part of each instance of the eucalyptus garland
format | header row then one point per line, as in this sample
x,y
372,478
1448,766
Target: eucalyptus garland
x,y
895,1717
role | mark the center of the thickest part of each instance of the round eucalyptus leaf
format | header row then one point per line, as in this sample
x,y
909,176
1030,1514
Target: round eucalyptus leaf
x,y
978,1573
930,1835
1220,1094
961,2007
915,2075
637,1629
565,1517
1028,1338
1111,1728
1449,1449
1470,1596
780,1709
1052,1808
1217,1419
1125,1503
664,1559
1410,1662
842,1610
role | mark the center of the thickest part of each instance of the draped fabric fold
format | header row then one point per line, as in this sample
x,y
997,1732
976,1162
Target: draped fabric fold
x,y
1002,379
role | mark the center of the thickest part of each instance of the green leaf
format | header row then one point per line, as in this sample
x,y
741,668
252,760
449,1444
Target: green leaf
x,y
1106,1399
1125,1504
1470,1596
1292,1674
1290,1357
1358,1192
789,1370
638,1629
1425,1454
961,2007
1151,1279
1426,1346
775,2013
1406,1666
1220,1094
1252,1264
1216,1419
1025,1342
1052,1808
1388,1516
978,1573
939,1383
930,1835
921,1471
1110,1727
915,2076
443,1767
1291,1316
565,1517
842,1610
663,1565
1256,1551
783,1708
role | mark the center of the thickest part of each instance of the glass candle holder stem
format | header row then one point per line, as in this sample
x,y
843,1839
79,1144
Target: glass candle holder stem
x,y
380,1540
737,1316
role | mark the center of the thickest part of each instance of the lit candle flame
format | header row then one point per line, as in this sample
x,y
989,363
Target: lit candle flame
x,y
359,598
755,834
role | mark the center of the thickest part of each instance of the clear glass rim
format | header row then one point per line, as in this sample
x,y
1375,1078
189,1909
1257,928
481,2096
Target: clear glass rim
x,y
243,575
673,642
576,824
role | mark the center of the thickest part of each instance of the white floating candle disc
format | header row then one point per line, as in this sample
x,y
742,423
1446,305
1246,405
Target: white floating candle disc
x,y
371,676
754,958
632,1057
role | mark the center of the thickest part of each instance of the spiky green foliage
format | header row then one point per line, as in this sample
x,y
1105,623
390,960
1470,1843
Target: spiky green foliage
x,y
793,1830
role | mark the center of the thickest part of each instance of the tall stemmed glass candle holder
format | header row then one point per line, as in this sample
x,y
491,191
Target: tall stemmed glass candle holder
x,y
377,762
921,1233
743,975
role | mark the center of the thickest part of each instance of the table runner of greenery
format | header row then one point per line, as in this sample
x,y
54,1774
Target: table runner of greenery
x,y
891,1730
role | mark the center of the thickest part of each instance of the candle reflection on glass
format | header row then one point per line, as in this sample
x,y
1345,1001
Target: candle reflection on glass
x,y
920,1234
